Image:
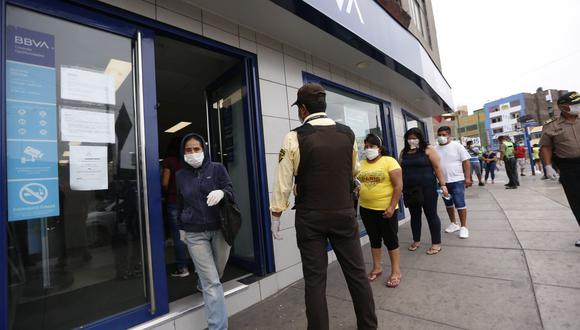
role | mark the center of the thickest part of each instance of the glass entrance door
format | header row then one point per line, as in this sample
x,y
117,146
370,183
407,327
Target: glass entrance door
x,y
227,113
78,245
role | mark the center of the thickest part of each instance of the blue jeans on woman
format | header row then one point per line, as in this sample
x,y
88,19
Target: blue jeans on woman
x,y
209,252
490,168
179,247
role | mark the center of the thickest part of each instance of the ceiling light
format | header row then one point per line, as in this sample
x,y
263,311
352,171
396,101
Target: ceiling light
x,y
363,65
178,126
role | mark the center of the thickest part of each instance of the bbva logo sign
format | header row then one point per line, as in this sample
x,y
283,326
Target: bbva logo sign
x,y
349,4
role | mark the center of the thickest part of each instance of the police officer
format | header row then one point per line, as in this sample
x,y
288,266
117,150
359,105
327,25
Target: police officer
x,y
321,158
560,145
507,155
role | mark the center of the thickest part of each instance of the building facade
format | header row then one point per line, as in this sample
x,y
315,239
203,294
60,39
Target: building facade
x,y
96,93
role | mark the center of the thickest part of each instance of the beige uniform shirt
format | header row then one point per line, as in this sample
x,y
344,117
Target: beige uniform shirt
x,y
288,161
563,136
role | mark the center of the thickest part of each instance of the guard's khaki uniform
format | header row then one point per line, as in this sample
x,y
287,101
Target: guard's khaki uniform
x,y
564,138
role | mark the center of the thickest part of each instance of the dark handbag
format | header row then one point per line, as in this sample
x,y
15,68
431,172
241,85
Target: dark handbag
x,y
413,196
230,220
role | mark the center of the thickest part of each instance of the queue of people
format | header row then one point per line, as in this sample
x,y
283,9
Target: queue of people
x,y
319,162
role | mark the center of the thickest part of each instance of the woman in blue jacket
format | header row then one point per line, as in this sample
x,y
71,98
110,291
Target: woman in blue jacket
x,y
201,185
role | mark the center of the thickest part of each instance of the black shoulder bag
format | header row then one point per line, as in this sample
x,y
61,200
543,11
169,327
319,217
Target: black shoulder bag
x,y
230,220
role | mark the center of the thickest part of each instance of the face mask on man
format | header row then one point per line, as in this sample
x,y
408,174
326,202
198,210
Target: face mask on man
x,y
442,139
413,143
195,159
575,109
371,153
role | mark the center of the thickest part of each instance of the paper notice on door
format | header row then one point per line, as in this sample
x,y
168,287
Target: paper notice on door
x,y
88,168
86,86
87,126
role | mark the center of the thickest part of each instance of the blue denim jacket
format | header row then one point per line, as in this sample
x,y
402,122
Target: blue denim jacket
x,y
193,185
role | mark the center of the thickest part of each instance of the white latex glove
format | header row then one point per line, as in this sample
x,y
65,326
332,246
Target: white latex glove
x,y
182,235
275,227
215,197
551,173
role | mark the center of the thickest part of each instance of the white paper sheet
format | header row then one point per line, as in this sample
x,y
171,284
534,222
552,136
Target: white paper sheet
x,y
87,126
88,168
87,86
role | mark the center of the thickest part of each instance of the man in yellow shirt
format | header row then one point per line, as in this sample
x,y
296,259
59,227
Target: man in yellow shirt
x,y
321,158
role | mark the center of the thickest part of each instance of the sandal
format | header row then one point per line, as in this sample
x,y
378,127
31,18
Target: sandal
x,y
393,282
433,251
374,275
414,246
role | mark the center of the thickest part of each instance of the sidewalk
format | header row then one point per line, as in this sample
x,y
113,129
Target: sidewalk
x,y
518,270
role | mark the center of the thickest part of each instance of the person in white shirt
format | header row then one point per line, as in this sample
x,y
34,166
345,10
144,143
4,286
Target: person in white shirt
x,y
456,167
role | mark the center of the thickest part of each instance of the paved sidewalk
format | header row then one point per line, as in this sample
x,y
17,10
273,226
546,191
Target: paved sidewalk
x,y
518,270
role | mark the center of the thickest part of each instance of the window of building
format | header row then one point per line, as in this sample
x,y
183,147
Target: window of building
x,y
496,119
515,115
514,103
411,121
492,110
498,130
418,13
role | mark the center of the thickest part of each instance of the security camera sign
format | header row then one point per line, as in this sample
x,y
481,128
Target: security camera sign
x,y
31,136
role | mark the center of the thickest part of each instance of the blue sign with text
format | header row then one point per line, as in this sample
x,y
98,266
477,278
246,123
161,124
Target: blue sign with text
x,y
32,149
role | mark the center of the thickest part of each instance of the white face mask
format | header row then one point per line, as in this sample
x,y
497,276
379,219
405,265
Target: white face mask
x,y
413,143
371,153
575,109
442,139
195,159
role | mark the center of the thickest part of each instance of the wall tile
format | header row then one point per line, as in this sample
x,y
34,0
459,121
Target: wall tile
x,y
219,22
179,21
274,131
139,7
220,35
271,65
294,69
268,286
247,33
289,276
271,168
267,41
248,45
194,320
180,7
243,299
294,52
166,326
273,99
292,110
286,252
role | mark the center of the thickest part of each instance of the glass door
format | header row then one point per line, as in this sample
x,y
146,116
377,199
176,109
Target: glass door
x,y
227,114
79,250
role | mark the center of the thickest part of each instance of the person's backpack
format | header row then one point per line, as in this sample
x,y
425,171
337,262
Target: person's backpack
x,y
230,220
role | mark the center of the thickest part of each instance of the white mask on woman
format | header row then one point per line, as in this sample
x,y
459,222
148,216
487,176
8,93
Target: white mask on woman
x,y
195,159
413,143
371,153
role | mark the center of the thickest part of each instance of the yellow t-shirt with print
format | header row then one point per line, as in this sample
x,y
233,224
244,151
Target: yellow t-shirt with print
x,y
377,189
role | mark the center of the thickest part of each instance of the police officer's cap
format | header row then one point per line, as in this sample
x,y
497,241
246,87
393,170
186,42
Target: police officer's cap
x,y
309,92
569,98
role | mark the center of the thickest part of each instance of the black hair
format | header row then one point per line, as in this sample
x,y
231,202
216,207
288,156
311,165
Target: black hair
x,y
469,142
173,147
444,129
419,134
376,141
317,104
535,145
194,137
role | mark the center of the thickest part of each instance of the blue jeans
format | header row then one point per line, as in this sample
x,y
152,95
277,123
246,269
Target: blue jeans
x,y
178,246
457,192
209,252
490,169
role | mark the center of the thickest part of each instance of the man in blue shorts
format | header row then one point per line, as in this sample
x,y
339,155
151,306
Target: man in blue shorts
x,y
455,164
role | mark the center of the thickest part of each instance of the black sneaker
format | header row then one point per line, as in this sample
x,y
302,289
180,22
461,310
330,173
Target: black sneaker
x,y
577,243
481,184
522,174
511,187
182,272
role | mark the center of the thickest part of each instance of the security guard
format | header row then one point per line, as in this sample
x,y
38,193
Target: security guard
x,y
322,157
560,145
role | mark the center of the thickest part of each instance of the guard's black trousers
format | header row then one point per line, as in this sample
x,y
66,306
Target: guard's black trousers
x,y
313,230
570,178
